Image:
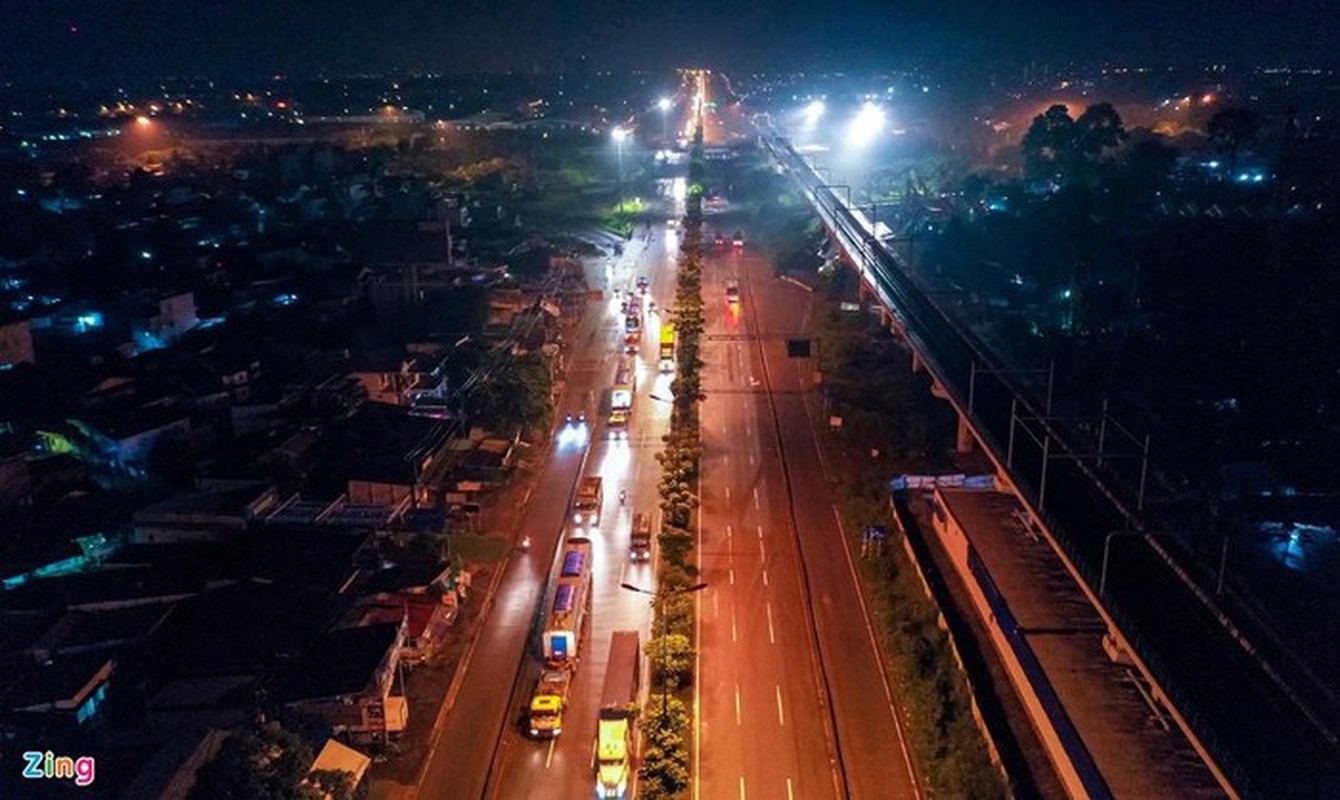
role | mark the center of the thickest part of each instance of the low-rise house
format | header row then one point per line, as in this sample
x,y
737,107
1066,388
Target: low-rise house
x,y
125,438
16,343
101,589
55,695
345,680
175,316
323,391
379,456
336,757
402,382
16,486
50,540
489,462
77,632
220,509
427,618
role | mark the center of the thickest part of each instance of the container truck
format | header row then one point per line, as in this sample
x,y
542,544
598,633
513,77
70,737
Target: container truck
x,y
614,725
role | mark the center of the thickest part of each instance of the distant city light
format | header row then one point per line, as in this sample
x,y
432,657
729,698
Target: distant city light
x,y
619,134
84,322
664,104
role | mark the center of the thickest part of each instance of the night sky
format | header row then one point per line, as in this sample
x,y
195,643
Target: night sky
x,y
82,38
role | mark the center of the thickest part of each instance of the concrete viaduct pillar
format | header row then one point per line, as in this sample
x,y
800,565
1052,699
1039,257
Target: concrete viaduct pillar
x,y
963,438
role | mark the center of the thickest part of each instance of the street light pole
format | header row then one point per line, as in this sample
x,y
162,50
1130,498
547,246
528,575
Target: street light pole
x,y
619,135
658,599
1107,547
664,105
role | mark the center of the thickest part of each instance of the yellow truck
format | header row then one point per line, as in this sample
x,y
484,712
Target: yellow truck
x,y
547,703
614,725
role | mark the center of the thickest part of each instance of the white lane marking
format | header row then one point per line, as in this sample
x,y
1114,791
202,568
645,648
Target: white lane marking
x,y
741,787
727,492
781,717
737,704
729,531
760,532
549,756
762,554
751,459
789,794
884,677
732,578
765,577
772,637
733,636
755,497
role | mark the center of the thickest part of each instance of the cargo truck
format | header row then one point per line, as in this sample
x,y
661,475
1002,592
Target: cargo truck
x,y
548,701
618,424
639,539
590,496
614,725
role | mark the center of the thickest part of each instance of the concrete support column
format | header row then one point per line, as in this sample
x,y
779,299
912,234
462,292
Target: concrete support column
x,y
963,439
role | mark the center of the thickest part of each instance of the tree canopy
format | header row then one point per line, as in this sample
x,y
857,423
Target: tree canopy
x,y
265,764
1065,149
1232,129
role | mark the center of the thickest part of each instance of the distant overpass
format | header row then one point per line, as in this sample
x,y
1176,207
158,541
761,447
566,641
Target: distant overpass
x,y
1251,709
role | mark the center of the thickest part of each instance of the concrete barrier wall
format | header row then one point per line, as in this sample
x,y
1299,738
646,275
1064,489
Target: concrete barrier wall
x,y
992,748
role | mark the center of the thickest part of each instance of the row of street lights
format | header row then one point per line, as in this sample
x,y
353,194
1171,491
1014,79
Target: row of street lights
x,y
868,123
661,597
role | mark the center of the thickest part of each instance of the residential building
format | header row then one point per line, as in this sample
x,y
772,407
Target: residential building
x,y
16,343
345,680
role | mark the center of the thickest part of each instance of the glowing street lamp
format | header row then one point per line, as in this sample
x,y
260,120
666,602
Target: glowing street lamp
x,y
866,125
813,112
665,105
619,135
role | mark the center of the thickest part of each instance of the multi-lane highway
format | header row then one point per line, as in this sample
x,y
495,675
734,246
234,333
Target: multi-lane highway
x,y
479,750
793,699
563,766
